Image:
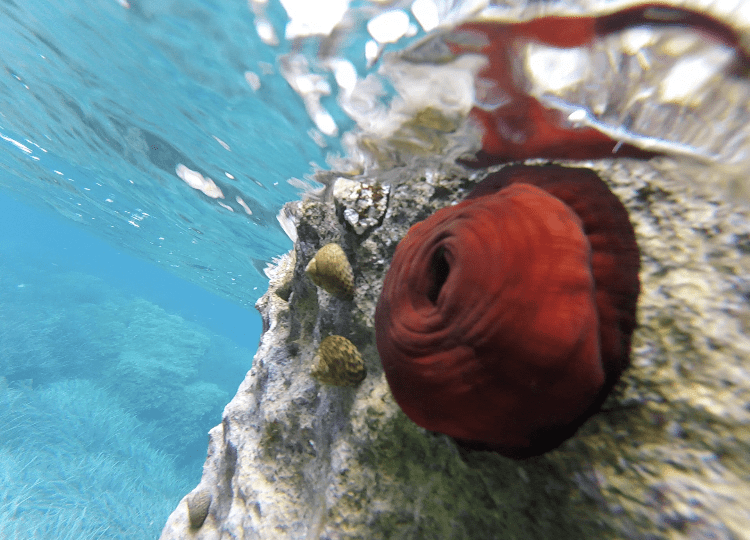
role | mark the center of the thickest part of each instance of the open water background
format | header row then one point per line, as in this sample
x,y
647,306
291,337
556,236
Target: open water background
x,y
126,318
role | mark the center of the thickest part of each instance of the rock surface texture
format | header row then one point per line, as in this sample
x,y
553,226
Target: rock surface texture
x,y
667,458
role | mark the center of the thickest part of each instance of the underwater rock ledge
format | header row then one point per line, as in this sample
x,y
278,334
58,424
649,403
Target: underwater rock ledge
x,y
665,458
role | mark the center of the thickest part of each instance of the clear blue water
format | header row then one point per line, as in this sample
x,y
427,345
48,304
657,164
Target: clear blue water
x,y
50,243
126,318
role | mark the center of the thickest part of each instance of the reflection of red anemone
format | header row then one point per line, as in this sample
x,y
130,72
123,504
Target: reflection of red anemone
x,y
522,127
505,320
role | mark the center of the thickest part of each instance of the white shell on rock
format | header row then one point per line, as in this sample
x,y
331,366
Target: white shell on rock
x,y
363,204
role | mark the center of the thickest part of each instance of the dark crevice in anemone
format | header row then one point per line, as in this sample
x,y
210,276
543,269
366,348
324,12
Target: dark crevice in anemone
x,y
439,270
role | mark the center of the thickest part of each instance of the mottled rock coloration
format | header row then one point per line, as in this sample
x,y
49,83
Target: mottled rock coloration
x,y
666,458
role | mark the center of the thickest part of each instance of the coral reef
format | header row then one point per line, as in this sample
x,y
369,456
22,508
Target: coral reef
x,y
68,325
82,459
75,465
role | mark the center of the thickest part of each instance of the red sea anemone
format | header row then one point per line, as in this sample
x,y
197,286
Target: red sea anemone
x,y
505,320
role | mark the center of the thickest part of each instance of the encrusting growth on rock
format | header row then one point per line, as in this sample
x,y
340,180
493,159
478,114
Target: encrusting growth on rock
x,y
338,363
329,269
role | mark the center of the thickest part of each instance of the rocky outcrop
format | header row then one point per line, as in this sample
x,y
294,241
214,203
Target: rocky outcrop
x,y
666,458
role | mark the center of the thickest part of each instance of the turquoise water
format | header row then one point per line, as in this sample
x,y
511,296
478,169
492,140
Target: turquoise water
x,y
97,114
126,318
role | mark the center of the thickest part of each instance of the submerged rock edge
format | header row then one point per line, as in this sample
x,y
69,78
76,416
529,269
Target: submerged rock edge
x,y
295,459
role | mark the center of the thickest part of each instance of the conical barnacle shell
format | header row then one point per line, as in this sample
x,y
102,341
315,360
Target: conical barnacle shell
x,y
198,504
330,270
338,362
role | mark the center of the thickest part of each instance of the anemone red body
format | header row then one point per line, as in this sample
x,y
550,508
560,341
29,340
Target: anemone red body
x,y
505,320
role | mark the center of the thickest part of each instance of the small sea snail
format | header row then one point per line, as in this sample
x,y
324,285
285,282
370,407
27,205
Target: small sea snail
x,y
330,270
505,320
198,504
338,362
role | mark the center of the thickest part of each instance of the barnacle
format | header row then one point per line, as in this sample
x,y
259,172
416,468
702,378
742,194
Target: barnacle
x,y
338,362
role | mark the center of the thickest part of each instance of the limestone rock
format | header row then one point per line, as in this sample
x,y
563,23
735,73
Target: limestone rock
x,y
667,458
